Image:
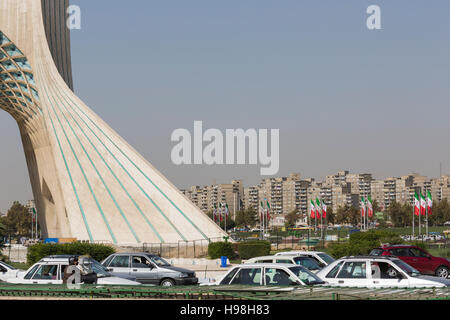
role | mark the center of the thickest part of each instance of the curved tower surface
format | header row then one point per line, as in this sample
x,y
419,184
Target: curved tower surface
x,y
88,183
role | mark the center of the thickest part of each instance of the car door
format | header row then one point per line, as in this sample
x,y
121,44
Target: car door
x,y
144,270
422,260
120,265
353,274
47,274
278,277
381,275
406,255
248,276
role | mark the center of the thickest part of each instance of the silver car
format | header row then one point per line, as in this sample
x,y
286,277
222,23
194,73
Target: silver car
x,y
149,269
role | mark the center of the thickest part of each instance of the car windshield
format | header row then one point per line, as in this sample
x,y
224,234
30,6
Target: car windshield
x,y
326,258
96,267
308,263
407,268
305,275
160,262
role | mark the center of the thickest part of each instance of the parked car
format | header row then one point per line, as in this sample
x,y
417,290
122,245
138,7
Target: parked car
x,y
304,261
417,258
321,258
377,272
7,272
269,274
50,270
149,269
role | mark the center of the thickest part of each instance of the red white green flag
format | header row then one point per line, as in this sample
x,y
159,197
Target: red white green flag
x,y
317,208
423,204
324,210
261,212
220,212
363,207
369,207
313,210
227,211
268,211
430,203
416,204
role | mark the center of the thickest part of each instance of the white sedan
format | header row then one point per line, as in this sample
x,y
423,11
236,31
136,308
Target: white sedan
x,y
8,272
377,272
269,274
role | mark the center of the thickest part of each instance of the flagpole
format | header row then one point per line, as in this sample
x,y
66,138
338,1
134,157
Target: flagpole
x,y
413,220
234,207
321,223
420,213
426,217
366,212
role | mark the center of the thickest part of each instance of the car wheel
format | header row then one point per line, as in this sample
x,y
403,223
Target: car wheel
x,y
391,272
167,283
442,272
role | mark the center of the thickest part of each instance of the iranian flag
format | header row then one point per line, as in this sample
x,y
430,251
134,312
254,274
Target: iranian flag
x,y
261,212
430,202
423,204
369,207
317,208
214,213
313,211
416,204
227,211
220,212
363,207
324,210
268,211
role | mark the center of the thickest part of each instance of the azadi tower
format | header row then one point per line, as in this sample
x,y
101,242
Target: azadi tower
x,y
88,183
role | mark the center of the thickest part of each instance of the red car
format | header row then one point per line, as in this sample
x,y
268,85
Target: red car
x,y
417,258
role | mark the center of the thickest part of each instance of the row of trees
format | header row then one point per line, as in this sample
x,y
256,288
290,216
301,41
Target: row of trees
x,y
401,215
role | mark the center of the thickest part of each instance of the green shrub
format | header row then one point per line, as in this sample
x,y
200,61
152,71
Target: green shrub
x,y
96,251
361,243
220,249
251,249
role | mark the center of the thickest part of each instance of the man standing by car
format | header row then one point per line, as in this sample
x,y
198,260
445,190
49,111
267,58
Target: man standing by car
x,y
68,272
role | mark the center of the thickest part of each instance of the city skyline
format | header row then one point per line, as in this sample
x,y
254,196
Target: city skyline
x,y
353,98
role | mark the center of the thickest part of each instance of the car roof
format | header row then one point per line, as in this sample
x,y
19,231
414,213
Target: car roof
x,y
391,258
291,253
264,257
135,253
61,258
390,246
269,265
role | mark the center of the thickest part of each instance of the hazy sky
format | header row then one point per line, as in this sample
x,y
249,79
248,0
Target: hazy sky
x,y
343,97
